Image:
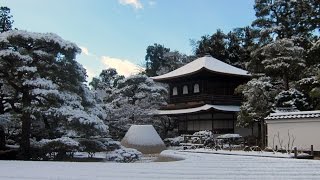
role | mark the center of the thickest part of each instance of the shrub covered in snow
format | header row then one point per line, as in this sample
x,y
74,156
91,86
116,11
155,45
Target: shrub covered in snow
x,y
229,136
55,149
110,144
292,98
92,146
173,141
206,134
123,155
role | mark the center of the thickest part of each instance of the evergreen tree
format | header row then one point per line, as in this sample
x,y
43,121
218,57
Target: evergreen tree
x,y
283,59
5,19
5,25
286,19
133,102
107,79
293,99
173,60
258,101
160,60
155,58
47,85
233,48
314,93
215,45
6,104
313,53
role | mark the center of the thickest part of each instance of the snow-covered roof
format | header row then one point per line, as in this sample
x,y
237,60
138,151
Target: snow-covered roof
x,y
294,115
206,62
201,108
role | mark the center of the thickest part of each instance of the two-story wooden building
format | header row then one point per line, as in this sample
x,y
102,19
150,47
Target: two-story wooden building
x,y
202,96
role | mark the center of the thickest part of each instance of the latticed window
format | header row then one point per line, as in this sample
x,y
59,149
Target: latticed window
x,y
196,88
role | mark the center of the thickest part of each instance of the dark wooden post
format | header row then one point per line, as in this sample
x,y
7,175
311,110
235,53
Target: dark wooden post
x,y
230,145
311,149
263,135
2,138
295,152
276,147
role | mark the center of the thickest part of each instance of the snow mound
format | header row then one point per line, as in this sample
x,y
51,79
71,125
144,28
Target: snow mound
x,y
229,136
144,138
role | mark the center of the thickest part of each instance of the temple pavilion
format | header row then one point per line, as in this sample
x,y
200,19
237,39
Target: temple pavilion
x,y
202,96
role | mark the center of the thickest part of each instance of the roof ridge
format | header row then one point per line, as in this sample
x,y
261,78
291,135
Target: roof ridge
x,y
209,63
295,113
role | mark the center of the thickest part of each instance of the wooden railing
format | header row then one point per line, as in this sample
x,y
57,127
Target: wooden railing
x,y
226,99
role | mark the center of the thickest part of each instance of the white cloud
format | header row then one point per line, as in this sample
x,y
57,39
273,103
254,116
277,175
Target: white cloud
x,y
91,73
123,67
134,3
152,3
84,50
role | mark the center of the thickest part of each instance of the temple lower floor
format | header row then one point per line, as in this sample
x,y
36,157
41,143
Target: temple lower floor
x,y
215,118
218,123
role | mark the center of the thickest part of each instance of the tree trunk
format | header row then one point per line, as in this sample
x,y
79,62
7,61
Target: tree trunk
x,y
26,128
2,138
286,82
252,127
259,134
263,136
25,138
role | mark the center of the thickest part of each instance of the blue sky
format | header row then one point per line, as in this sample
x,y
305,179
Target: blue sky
x,y
116,33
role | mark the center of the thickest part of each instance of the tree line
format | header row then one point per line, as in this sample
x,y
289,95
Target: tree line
x,y
43,94
281,49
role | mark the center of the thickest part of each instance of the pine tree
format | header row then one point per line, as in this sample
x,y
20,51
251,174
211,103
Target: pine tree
x,y
293,99
107,79
133,102
5,19
314,53
5,25
258,100
283,59
172,61
48,86
287,19
155,58
215,45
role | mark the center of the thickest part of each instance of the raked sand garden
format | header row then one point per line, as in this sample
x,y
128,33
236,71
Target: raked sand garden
x,y
192,165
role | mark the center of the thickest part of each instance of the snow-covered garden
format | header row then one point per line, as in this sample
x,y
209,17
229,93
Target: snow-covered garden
x,y
68,127
194,166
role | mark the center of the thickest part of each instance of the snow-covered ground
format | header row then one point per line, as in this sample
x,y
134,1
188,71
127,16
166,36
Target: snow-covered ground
x,y
243,153
195,166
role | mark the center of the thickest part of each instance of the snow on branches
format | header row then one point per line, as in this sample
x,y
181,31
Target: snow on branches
x,y
283,59
258,100
47,83
292,99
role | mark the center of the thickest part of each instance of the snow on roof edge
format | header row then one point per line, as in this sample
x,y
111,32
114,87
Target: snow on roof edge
x,y
205,107
293,115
